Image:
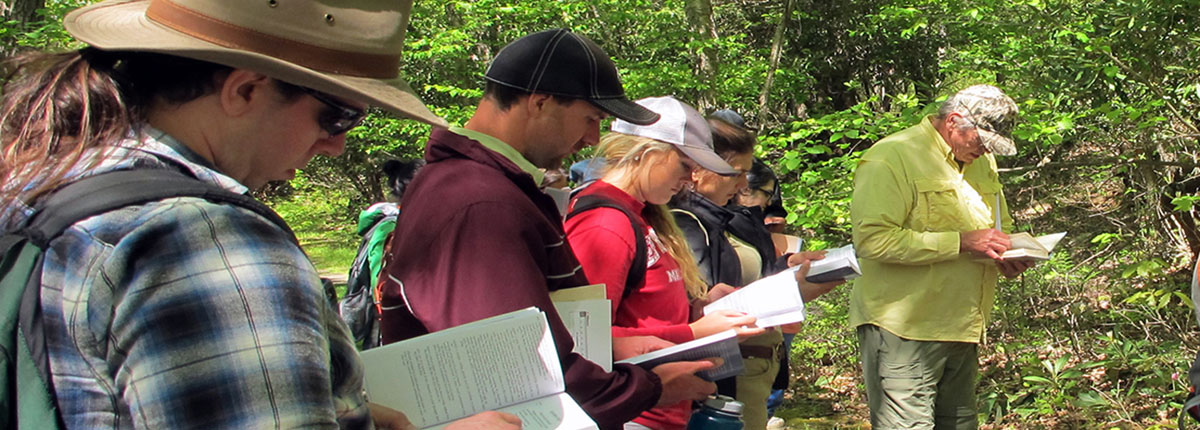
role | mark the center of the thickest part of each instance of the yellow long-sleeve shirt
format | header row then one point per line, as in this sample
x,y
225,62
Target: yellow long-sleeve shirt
x,y
911,199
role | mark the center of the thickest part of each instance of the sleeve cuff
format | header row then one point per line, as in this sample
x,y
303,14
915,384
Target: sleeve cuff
x,y
948,243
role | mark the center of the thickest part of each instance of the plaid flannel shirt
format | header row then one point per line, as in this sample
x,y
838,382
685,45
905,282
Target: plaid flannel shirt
x,y
189,314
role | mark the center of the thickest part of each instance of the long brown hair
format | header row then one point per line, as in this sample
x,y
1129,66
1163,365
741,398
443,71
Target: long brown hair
x,y
58,108
623,151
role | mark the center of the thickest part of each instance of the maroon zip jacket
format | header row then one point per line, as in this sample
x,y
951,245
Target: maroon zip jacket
x,y
477,238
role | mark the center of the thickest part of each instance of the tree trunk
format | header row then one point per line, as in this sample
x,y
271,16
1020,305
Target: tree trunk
x,y
776,52
704,29
22,11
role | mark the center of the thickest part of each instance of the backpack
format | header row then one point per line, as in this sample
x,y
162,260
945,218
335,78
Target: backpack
x,y
28,397
637,271
358,308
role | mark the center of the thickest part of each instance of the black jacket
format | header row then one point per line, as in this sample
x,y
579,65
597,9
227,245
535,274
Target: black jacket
x,y
747,225
704,224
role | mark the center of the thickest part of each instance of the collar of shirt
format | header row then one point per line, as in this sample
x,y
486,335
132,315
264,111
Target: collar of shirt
x,y
144,143
498,146
942,146
616,194
163,146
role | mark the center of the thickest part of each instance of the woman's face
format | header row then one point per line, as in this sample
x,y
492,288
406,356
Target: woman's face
x,y
666,173
719,188
761,196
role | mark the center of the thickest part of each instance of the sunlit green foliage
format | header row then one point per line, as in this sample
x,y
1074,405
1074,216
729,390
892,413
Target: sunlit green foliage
x,y
1110,96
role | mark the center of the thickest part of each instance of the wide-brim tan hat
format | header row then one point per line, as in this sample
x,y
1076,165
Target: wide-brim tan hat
x,y
347,48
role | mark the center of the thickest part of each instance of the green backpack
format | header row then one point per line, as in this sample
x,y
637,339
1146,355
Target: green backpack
x,y
28,398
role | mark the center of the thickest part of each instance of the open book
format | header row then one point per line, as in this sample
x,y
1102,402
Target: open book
x,y
507,363
774,300
723,344
1027,247
838,264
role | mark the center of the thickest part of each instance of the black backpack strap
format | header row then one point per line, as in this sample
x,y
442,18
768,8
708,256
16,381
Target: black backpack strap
x,y
108,191
637,271
96,195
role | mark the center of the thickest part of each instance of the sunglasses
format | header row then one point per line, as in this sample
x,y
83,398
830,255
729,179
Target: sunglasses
x,y
748,191
337,118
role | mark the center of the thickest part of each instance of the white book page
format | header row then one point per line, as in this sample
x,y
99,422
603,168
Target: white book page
x,y
1025,241
769,296
590,325
781,319
702,345
1049,241
794,244
835,258
444,376
557,412
723,345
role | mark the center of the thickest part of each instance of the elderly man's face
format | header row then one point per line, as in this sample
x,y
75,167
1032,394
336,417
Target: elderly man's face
x,y
964,142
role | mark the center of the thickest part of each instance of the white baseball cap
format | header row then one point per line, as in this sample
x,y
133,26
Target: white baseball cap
x,y
680,125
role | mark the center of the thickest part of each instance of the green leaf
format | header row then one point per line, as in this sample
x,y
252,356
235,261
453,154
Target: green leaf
x,y
1036,379
791,163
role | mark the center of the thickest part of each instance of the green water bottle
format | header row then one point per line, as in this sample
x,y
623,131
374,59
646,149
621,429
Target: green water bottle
x,y
717,413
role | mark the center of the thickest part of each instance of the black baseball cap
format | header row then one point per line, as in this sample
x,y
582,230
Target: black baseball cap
x,y
561,63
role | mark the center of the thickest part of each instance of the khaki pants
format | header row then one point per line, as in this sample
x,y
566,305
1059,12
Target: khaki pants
x,y
918,385
754,384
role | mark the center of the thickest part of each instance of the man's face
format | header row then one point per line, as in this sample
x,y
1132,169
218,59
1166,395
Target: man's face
x,y
964,142
292,135
562,130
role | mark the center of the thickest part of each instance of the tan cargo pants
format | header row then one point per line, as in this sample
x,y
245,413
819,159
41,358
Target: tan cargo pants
x,y
916,384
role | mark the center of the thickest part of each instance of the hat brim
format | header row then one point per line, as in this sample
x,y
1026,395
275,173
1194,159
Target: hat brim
x,y
627,110
123,26
709,160
996,143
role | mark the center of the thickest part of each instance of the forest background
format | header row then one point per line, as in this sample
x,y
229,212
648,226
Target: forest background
x,y
1101,336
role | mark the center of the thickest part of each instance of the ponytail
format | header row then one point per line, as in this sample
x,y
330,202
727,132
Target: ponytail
x,y
56,107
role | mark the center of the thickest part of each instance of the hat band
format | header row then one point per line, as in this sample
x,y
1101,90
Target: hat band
x,y
314,57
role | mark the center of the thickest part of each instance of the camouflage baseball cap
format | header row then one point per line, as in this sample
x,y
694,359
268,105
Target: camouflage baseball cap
x,y
993,114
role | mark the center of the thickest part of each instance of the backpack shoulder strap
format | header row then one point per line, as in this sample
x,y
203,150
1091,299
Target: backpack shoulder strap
x,y
637,271
109,191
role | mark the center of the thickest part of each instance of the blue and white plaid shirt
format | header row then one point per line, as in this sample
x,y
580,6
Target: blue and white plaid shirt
x,y
189,314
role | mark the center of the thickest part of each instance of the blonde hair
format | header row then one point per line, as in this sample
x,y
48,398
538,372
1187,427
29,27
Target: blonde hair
x,y
627,152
